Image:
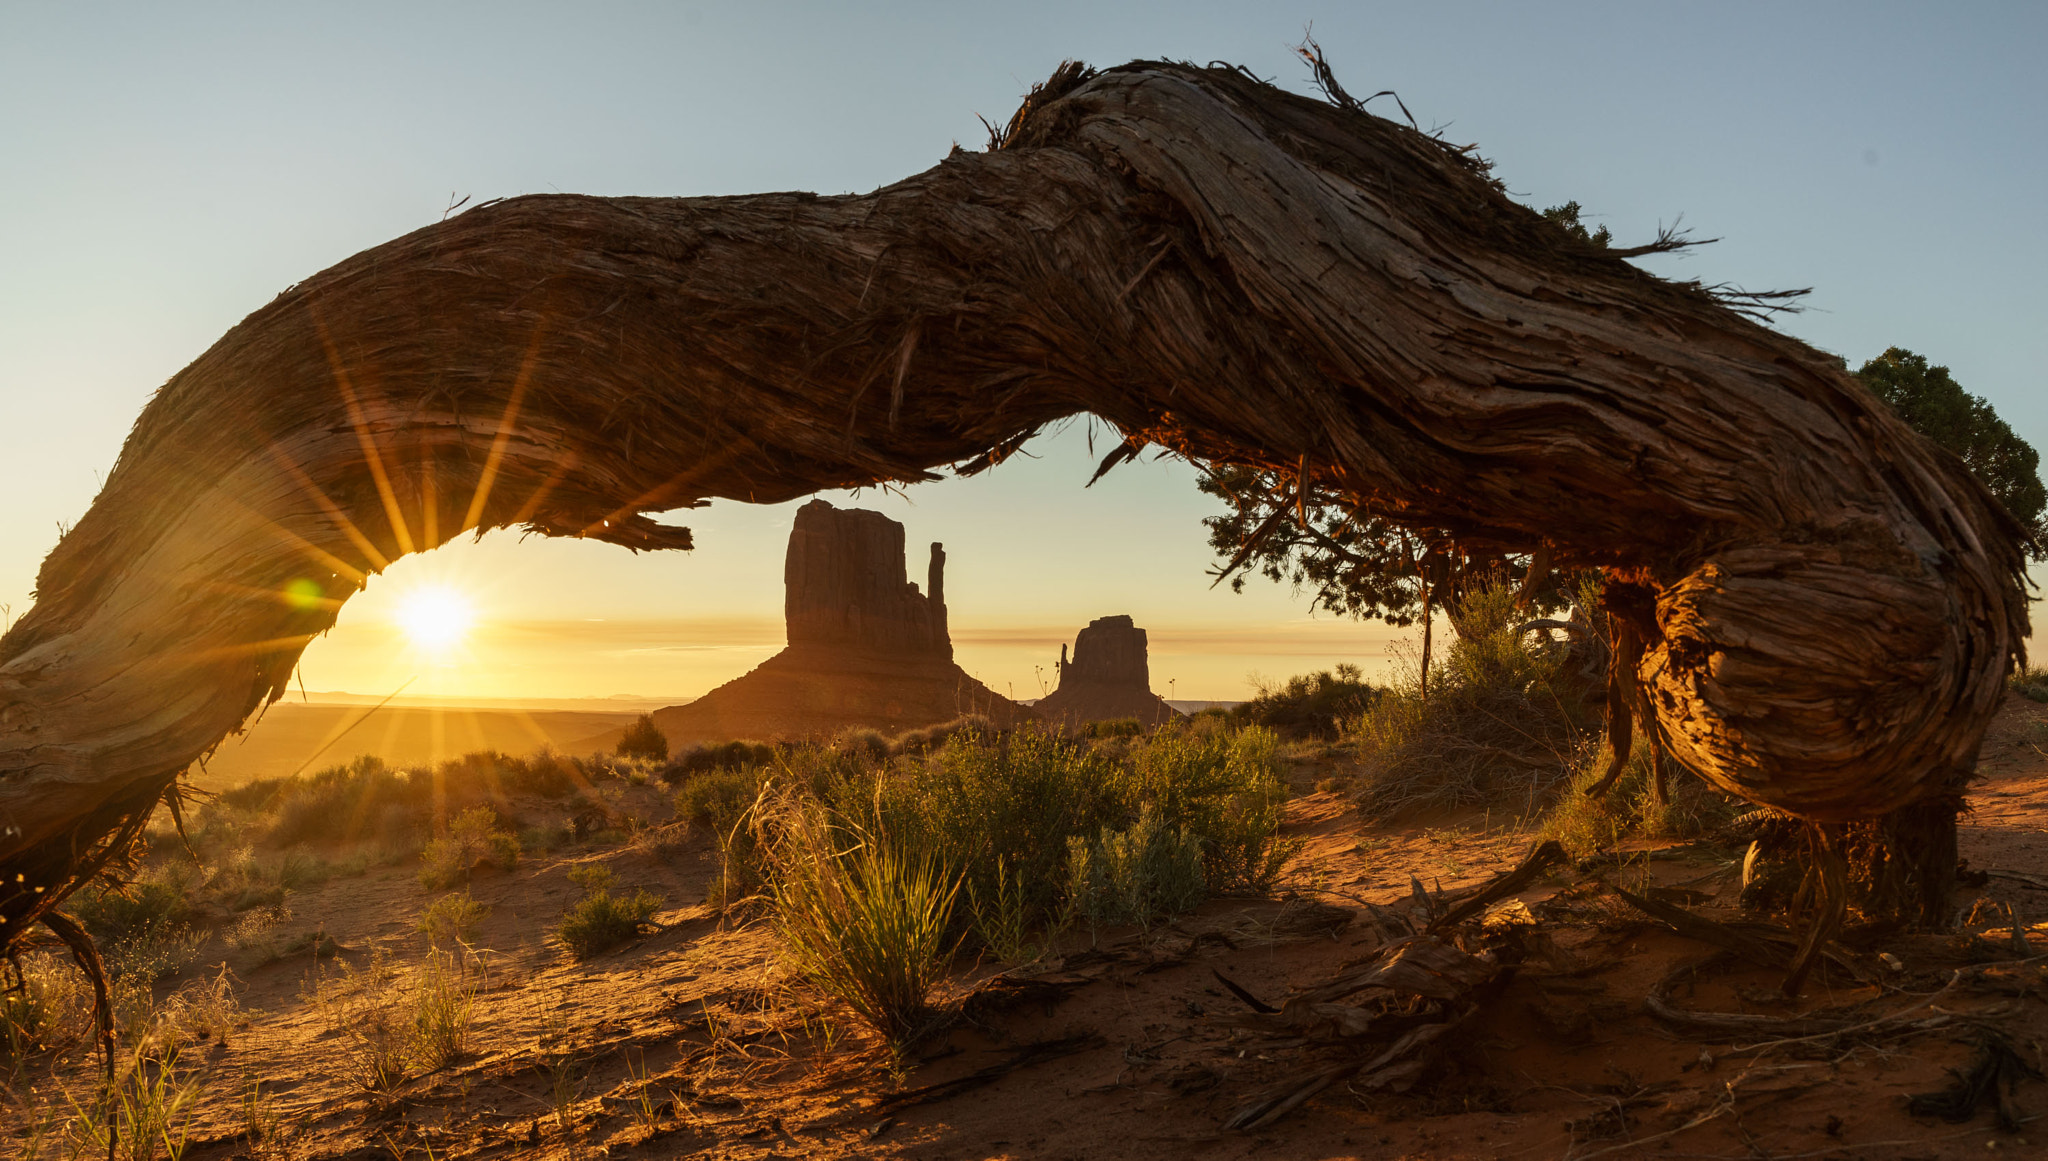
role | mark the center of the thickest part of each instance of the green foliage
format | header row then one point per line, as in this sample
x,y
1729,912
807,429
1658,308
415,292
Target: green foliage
x,y
2030,683
1113,728
1145,872
1313,705
453,917
1567,216
602,920
643,739
1629,809
1935,405
718,799
935,737
1225,790
474,839
860,918
734,755
1002,809
1503,721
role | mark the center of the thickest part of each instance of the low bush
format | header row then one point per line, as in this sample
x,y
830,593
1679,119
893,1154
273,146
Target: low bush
x,y
2030,683
736,755
1504,721
718,799
643,739
602,920
929,738
474,839
1584,825
1313,705
1113,728
1146,872
452,918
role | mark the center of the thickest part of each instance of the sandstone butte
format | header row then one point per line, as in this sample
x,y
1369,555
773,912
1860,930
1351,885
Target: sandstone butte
x,y
1109,677
866,648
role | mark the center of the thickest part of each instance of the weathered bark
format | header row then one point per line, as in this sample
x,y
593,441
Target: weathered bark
x,y
1206,262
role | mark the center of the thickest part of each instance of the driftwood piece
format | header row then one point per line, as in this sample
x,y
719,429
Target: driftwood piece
x,y
1828,603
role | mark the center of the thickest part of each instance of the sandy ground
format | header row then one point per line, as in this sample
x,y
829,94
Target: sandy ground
x,y
1131,1046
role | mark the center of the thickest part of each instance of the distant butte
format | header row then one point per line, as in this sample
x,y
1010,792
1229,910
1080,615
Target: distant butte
x,y
866,648
1109,677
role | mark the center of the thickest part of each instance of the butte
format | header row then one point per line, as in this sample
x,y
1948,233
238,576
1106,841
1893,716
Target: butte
x,y
866,648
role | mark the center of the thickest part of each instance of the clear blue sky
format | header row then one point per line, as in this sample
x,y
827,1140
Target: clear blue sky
x,y
169,168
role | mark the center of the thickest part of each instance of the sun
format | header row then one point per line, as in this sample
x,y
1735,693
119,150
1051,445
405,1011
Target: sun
x,y
435,619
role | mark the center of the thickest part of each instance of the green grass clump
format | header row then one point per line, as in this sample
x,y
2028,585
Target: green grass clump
x,y
602,920
860,918
474,839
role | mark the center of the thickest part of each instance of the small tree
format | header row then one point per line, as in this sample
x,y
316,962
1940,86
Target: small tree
x,y
643,739
1935,405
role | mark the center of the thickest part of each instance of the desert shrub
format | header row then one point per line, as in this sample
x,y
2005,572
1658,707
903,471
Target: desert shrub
x,y
1503,721
716,800
1225,790
473,838
453,917
115,911
1144,872
868,744
43,1006
1312,705
544,774
2030,683
860,918
927,738
1000,808
602,920
735,755
1585,825
643,739
1113,728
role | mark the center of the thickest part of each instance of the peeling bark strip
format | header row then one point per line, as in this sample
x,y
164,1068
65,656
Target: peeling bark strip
x,y
1209,263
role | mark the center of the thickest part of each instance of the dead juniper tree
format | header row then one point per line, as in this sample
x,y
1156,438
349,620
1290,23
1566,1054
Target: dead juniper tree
x,y
1819,607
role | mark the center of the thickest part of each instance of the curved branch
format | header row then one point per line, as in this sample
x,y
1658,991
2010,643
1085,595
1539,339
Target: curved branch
x,y
1836,601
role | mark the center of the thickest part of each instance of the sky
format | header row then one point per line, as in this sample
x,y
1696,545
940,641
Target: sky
x,y
169,168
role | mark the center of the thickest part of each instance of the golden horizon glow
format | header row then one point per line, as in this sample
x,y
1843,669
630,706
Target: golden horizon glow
x,y
435,618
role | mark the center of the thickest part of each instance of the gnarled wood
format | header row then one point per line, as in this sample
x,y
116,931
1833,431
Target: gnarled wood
x,y
1207,262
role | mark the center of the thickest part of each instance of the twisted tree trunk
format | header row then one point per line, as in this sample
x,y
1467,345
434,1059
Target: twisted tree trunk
x,y
1207,262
